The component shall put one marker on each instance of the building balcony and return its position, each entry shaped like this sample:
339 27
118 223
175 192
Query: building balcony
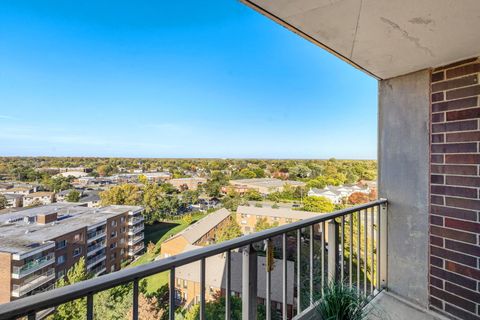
136 249
32 266
95 236
32 283
135 220
95 260
134 240
93 249
136 229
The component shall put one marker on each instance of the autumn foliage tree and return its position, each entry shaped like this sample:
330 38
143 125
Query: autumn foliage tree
358 198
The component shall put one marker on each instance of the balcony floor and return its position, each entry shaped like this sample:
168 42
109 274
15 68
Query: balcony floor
387 306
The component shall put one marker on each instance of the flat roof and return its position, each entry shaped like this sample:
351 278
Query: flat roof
286 213
267 182
19 236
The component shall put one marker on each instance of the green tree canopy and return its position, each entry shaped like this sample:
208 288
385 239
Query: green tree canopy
73 196
318 204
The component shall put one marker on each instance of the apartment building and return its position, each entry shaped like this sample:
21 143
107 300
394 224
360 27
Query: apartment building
17 190
187 183
39 245
263 185
201 233
14 200
187 281
38 198
248 216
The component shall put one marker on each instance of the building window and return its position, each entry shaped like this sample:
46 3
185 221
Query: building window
122 241
61 244
122 219
124 229
185 284
113 245
179 282
114 223
61 259
61 273
113 234
113 256
77 237
77 251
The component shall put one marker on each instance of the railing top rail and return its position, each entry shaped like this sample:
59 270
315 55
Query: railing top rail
58 296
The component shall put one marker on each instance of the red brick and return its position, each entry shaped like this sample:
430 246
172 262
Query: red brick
436 179
453 277
436 158
439 96
460 313
471 113
437 200
463 203
455 83
455 104
472 273
463 70
436 138
437 262
462 292
436 281
438 117
436 241
454 191
463 247
436 302
463 181
454 212
453 234
455 126
438 76
457 301
436 220
454 256
463 158
454 169
463 136
454 148
455 64
462 225
462 92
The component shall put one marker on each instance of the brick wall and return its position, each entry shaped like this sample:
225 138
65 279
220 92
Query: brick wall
454 185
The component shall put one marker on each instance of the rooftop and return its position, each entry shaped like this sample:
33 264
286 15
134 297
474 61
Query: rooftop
280 212
19 236
267 182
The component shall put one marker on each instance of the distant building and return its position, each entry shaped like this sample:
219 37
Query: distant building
187 183
337 194
39 245
74 174
157 176
38 198
5 186
201 233
18 190
14 200
263 185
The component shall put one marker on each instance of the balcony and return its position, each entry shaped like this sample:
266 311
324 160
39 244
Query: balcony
320 248
136 229
95 235
91 250
95 260
32 266
135 240
32 283
136 249
135 220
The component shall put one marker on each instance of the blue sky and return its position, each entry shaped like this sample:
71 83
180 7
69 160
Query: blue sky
174 79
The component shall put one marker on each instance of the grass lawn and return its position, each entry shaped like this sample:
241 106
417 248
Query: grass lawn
158 233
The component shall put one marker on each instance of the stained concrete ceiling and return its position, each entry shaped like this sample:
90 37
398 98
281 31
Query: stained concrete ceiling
385 38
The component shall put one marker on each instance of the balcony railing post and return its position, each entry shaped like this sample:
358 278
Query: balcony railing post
249 283
383 244
332 250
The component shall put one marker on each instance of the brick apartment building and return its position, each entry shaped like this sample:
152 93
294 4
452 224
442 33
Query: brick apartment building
264 186
39 245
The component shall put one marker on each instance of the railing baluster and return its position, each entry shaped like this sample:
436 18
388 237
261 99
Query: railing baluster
135 300
249 283
377 240
202 289
312 237
285 271
350 260
384 241
322 278
268 295
359 217
228 285
90 307
365 240
342 246
299 281
171 298
372 264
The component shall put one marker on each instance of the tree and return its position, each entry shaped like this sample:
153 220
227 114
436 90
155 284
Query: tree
263 224
190 197
35 203
152 202
318 204
253 195
105 170
358 198
3 202
76 309
124 194
142 179
147 308
229 231
73 196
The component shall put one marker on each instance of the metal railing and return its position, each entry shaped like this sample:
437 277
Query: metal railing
354 251
32 266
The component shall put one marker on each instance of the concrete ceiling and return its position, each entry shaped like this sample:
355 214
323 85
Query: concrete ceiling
385 38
